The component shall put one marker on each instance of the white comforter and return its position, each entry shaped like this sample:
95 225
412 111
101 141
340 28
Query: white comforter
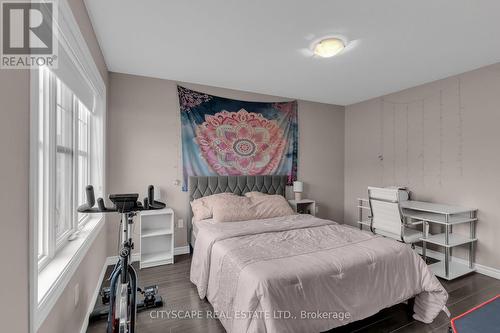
303 274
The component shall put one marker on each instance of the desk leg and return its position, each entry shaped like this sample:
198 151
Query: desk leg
471 246
360 214
424 243
451 232
472 233
447 250
447 262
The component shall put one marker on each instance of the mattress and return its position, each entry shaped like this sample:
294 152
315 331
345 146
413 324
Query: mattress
303 274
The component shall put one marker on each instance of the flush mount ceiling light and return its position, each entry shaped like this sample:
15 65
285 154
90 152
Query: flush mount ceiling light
328 47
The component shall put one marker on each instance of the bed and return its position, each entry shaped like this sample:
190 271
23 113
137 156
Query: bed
208 185
299 273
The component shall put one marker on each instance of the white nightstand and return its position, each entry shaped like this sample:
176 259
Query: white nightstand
156 237
304 206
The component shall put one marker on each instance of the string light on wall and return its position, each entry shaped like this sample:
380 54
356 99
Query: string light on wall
407 146
422 149
441 137
460 129
394 143
444 136
381 154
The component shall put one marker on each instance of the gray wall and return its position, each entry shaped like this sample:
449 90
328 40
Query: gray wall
14 173
441 140
144 145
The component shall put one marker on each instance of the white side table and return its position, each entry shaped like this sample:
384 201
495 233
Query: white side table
157 237
304 206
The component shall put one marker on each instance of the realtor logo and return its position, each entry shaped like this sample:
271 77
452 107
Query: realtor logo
28 38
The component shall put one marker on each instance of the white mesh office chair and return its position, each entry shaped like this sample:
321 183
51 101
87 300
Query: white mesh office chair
387 218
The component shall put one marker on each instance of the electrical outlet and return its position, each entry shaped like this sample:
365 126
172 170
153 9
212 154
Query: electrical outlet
77 294
180 223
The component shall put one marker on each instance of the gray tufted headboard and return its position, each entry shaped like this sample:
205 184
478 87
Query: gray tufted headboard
203 186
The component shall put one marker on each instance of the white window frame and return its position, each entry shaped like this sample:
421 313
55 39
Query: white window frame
84 217
48 90
73 43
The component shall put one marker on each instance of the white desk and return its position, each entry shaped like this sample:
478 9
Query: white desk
447 216
444 215
431 207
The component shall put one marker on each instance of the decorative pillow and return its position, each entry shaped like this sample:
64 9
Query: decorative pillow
237 208
254 194
202 207
268 206
232 209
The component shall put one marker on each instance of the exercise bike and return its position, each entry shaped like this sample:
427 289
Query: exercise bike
122 292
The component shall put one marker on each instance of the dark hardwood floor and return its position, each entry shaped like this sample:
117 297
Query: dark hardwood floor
180 294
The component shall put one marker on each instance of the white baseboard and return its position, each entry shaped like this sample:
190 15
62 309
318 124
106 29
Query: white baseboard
485 270
181 250
94 297
488 271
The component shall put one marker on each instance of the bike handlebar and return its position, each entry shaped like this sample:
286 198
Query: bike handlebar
151 193
123 203
89 191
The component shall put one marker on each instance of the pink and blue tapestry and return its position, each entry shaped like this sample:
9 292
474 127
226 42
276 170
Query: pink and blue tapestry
222 136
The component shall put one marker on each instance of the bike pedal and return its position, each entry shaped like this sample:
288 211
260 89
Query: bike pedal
151 289
105 292
158 301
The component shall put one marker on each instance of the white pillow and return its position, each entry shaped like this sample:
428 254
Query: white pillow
202 207
254 194
233 209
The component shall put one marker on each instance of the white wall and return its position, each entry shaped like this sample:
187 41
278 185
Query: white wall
144 145
441 140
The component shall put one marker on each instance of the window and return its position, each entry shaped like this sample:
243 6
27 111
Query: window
64 164
67 152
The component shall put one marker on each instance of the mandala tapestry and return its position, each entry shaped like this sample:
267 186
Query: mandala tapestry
222 136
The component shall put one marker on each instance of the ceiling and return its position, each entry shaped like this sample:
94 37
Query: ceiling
263 46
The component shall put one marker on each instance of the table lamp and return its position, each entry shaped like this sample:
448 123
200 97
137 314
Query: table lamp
298 188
